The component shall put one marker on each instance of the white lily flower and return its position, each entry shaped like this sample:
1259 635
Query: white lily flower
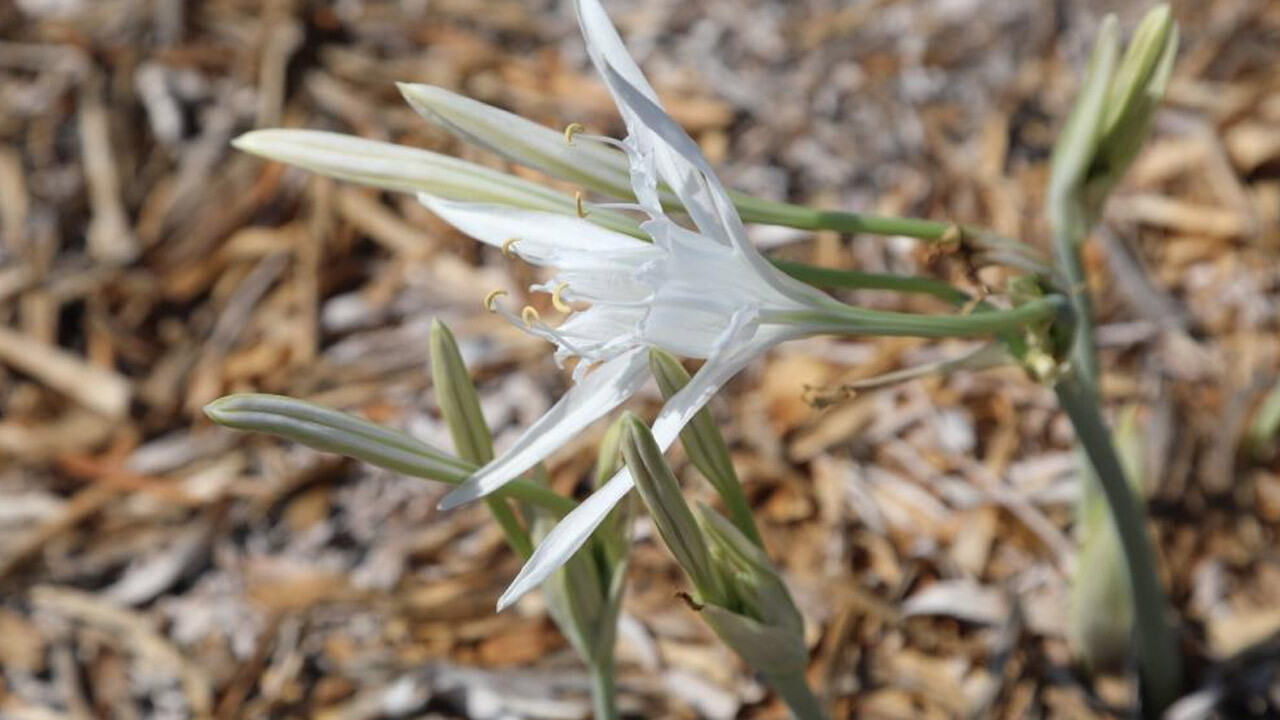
706 294
399 168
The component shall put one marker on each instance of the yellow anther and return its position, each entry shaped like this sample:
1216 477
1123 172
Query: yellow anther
494 295
571 130
577 200
529 315
506 248
557 298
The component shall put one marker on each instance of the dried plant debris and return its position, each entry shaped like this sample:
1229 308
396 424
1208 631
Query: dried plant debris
154 566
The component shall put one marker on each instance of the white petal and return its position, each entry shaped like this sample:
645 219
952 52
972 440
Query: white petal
614 63
542 238
395 167
522 141
598 393
573 530
683 166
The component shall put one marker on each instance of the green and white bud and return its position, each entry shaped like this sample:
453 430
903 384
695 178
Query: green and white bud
460 406
1111 118
330 430
704 444
456 394
591 165
403 169
660 492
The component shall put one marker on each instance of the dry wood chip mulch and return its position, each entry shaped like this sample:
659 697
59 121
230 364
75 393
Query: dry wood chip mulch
153 566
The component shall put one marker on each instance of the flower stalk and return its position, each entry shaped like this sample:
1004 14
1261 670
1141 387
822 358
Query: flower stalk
1107 126
737 590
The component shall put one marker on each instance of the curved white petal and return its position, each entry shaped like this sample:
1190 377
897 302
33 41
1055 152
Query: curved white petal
521 141
669 134
541 237
573 530
395 167
596 394
608 51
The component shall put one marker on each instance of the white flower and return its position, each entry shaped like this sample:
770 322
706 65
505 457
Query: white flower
706 294
702 294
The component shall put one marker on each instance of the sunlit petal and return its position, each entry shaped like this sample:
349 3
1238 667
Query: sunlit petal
595 395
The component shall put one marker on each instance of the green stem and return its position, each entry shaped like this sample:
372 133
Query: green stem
830 278
1067 238
517 536
758 210
843 319
767 212
604 694
1159 658
795 692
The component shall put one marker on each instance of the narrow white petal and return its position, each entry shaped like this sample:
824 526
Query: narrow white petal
543 238
607 52
521 141
566 538
394 167
571 532
598 393
682 165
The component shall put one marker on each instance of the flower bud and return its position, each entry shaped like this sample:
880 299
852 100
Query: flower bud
330 430
1111 118
399 168
704 444
675 522
456 394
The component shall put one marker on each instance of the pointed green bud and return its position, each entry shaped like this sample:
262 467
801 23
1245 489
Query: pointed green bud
589 164
460 406
757 584
333 431
1074 152
330 430
456 394
1111 118
404 169
609 455
614 534
704 444
660 492
1139 86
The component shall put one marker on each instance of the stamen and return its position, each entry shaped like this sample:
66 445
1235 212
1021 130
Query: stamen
530 316
577 201
570 131
506 248
557 298
491 297
602 139
633 207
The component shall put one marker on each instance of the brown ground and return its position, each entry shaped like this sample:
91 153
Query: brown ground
155 566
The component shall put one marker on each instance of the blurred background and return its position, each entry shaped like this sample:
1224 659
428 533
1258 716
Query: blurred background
154 566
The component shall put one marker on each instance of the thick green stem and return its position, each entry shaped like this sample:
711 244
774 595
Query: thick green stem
758 210
1067 239
1158 655
846 320
604 693
831 278
794 691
